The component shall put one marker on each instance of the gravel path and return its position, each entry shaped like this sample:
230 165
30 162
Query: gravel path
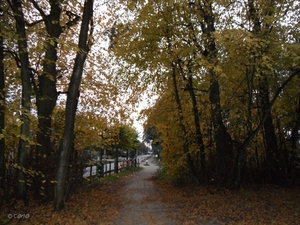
140 198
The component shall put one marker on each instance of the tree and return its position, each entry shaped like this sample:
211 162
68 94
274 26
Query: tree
161 41
172 43
46 92
165 135
143 149
42 49
202 44
261 69
51 46
2 111
152 137
128 139
72 101
26 97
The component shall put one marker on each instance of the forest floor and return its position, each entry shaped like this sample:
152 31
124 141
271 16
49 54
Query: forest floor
141 198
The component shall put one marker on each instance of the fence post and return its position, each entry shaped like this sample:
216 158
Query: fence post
109 168
91 168
100 169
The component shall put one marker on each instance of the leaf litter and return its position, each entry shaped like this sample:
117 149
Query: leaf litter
187 204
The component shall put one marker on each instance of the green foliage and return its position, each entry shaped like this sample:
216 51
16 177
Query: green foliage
128 138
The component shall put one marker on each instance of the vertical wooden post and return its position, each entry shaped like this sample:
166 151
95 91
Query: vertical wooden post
109 168
116 162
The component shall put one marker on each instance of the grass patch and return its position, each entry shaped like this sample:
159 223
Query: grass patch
91 182
115 177
161 173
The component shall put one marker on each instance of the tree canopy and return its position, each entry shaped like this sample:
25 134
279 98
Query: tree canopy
54 64
224 76
221 68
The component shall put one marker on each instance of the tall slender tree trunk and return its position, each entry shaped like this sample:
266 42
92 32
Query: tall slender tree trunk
272 152
2 120
26 98
188 156
261 30
71 105
189 160
46 92
46 97
222 139
295 135
241 150
296 128
199 137
198 133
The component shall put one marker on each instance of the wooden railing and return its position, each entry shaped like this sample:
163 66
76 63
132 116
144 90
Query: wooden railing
106 168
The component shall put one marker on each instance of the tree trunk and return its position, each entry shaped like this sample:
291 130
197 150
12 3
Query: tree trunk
199 138
46 95
241 150
71 105
296 128
252 134
189 160
294 140
26 98
272 152
261 30
2 120
222 139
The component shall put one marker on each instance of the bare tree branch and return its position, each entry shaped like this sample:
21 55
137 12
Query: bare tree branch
71 22
39 9
15 56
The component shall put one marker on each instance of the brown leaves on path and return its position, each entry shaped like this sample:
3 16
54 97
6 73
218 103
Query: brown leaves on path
186 205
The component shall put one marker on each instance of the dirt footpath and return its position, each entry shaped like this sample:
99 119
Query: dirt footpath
140 199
